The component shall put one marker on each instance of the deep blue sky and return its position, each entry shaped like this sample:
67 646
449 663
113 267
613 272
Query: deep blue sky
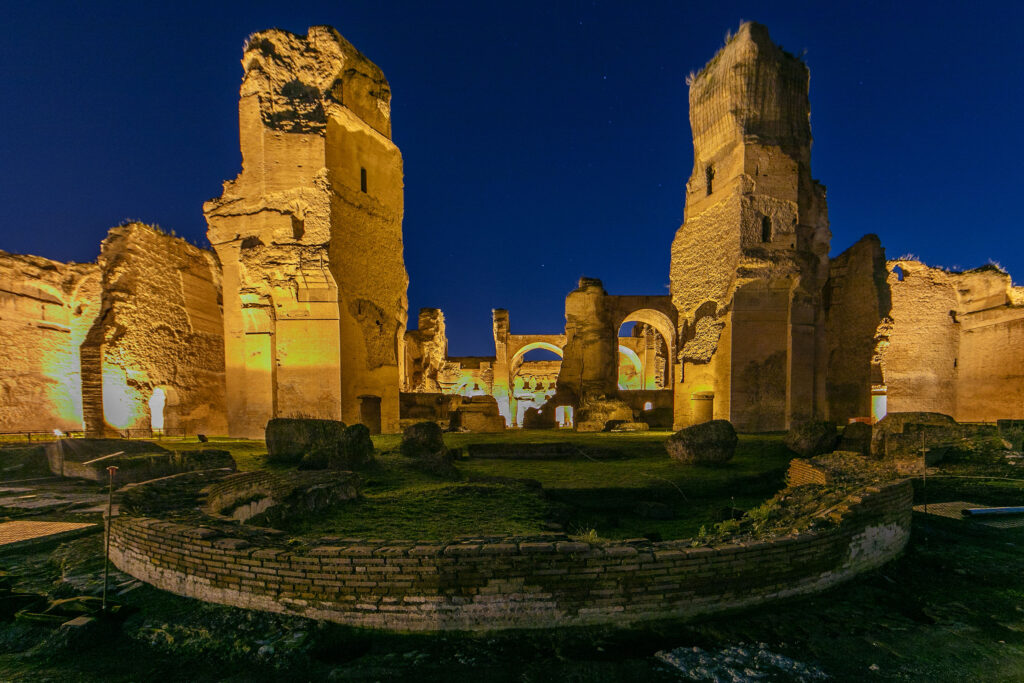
542 140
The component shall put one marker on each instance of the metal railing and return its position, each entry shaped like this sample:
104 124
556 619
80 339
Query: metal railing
148 433
42 435
39 435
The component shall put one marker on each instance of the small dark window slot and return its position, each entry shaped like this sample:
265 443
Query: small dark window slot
766 229
709 177
362 179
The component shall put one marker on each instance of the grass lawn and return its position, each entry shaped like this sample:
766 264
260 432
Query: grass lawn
595 498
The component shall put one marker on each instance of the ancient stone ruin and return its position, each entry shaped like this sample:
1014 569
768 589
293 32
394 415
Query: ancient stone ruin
300 309
310 238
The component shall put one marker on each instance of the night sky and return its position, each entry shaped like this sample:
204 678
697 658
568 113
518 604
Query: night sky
542 140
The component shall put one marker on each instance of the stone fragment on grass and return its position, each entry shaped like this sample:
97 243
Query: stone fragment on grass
424 443
856 438
420 438
708 443
811 438
289 439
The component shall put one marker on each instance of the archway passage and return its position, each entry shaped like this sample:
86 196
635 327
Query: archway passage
157 404
533 376
644 361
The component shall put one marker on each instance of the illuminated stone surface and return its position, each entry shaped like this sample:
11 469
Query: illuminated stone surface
302 311
18 532
857 314
46 308
310 238
955 344
160 328
750 260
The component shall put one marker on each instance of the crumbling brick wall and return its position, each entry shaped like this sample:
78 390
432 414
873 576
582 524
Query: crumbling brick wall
755 220
858 304
160 327
492 583
310 237
46 308
956 343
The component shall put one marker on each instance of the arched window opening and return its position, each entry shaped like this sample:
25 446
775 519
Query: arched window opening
648 405
766 229
157 403
898 272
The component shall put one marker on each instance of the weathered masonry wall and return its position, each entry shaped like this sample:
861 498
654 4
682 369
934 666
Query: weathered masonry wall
494 583
46 308
751 258
310 238
857 308
955 344
160 331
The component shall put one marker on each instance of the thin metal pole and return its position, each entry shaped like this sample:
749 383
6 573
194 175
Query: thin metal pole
924 474
106 549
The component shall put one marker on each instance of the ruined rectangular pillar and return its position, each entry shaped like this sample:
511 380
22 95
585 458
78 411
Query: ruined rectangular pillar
755 222
310 235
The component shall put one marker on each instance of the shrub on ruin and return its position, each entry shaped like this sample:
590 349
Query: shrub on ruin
811 438
319 458
708 443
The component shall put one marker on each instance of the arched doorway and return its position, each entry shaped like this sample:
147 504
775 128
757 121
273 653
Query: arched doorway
164 416
157 403
533 377
644 359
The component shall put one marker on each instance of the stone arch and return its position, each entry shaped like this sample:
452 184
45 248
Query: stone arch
526 348
517 406
656 319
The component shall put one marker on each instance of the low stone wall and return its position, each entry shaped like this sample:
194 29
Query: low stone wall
495 583
802 471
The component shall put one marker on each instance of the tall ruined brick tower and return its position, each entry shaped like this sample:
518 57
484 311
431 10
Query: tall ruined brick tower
751 258
310 238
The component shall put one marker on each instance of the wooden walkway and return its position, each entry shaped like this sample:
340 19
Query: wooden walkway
19 533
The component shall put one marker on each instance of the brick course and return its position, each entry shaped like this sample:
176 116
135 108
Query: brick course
493 583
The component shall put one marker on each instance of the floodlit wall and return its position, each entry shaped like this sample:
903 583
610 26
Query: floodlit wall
46 308
858 305
956 343
160 328
754 217
309 235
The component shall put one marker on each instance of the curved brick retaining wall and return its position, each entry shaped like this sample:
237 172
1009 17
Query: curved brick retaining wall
491 583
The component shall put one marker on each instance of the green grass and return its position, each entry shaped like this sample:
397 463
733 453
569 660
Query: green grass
580 496
436 512
596 498
249 454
